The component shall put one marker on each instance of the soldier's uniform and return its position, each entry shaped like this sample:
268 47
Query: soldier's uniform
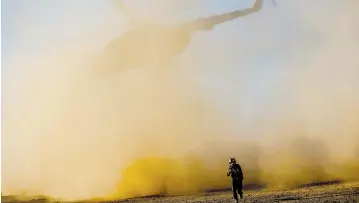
235 171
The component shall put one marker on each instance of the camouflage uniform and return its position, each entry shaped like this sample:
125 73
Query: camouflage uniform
235 171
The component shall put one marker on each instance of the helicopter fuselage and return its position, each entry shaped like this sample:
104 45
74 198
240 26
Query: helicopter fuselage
147 46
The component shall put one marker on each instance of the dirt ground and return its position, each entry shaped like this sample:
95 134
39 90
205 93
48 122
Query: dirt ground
315 193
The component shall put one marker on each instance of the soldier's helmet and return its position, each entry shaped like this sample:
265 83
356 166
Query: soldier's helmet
232 160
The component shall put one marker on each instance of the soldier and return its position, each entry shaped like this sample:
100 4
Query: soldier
235 171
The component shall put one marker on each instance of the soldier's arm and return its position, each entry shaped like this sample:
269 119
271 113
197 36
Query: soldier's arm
229 172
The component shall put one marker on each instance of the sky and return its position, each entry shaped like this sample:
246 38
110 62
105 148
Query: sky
63 21
56 22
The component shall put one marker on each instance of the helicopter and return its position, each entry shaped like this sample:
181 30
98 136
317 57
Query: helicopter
154 45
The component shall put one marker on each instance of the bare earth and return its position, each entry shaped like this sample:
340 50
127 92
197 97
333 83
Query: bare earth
329 192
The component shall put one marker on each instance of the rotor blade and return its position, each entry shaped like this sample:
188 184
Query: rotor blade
274 3
119 4
209 22
121 7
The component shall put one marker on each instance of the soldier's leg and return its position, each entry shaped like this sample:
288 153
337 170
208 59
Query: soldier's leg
240 188
234 189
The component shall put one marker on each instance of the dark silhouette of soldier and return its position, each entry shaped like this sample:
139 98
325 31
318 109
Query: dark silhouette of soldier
235 171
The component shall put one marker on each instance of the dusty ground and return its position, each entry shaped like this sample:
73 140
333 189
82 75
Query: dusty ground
337 192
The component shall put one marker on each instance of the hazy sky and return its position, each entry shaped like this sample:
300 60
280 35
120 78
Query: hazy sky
280 41
61 20
56 21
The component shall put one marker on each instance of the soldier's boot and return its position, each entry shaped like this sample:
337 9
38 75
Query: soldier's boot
235 197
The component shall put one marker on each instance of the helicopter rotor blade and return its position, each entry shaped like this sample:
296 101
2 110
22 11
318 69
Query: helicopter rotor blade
119 4
274 3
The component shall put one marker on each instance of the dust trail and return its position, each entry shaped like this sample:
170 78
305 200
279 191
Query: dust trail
71 136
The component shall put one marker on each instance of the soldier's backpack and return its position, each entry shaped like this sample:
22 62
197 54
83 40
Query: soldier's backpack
236 172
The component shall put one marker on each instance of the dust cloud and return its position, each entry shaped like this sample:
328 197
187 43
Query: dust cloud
70 135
